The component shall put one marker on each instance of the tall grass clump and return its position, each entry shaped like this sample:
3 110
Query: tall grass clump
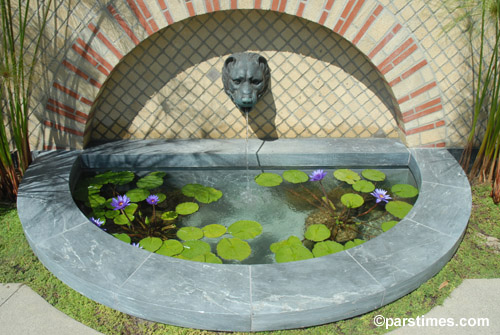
486 165
17 63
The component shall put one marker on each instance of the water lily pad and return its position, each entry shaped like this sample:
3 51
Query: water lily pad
295 176
161 197
123 220
208 195
317 232
214 230
116 178
99 214
346 175
268 179
189 233
291 253
212 258
195 248
111 214
150 181
170 248
353 243
289 241
373 175
130 209
190 190
170 215
233 249
352 200
363 186
388 225
96 201
160 174
404 190
203 194
207 258
123 237
398 208
137 194
151 243
84 188
326 247
245 229
187 208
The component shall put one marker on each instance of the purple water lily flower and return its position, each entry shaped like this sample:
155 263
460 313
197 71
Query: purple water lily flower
152 199
381 195
317 175
120 202
136 245
98 222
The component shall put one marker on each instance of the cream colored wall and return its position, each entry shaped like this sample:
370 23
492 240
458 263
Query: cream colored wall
170 85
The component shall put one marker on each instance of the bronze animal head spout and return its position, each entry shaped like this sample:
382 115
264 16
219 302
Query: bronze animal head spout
246 79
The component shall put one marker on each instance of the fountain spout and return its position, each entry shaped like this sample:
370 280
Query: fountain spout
246 79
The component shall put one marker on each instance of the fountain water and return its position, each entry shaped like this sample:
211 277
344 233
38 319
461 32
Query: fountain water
246 79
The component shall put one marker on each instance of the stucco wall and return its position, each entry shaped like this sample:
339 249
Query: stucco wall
340 68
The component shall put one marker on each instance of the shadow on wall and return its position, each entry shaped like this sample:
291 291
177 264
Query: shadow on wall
170 85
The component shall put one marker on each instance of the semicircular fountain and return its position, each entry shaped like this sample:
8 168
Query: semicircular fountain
245 297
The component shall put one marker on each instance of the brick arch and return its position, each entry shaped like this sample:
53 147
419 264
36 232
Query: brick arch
370 27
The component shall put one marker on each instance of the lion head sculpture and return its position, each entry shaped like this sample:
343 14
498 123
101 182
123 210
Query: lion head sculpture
246 79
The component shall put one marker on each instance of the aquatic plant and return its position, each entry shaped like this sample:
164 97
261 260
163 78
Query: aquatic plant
381 195
136 211
335 224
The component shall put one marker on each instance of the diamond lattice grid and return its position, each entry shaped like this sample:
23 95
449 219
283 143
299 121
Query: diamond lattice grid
170 85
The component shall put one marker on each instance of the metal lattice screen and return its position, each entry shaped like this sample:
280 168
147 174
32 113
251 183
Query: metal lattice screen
170 86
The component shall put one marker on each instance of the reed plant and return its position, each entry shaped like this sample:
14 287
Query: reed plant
19 53
486 165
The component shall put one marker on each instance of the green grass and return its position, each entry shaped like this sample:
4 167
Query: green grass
474 259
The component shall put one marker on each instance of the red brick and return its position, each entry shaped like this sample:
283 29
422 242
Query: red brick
367 24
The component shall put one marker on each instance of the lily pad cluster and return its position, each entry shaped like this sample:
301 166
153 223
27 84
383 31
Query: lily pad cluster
293 249
142 212
192 243
341 212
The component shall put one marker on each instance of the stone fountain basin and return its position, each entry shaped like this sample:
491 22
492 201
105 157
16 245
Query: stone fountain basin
245 297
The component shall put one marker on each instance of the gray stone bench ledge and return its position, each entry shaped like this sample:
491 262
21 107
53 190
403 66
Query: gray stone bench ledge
245 297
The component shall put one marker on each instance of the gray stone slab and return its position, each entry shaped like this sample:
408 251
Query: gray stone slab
334 152
400 258
49 209
231 153
175 293
305 293
439 166
172 154
443 215
91 260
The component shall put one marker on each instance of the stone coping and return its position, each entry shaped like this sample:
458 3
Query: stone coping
245 297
